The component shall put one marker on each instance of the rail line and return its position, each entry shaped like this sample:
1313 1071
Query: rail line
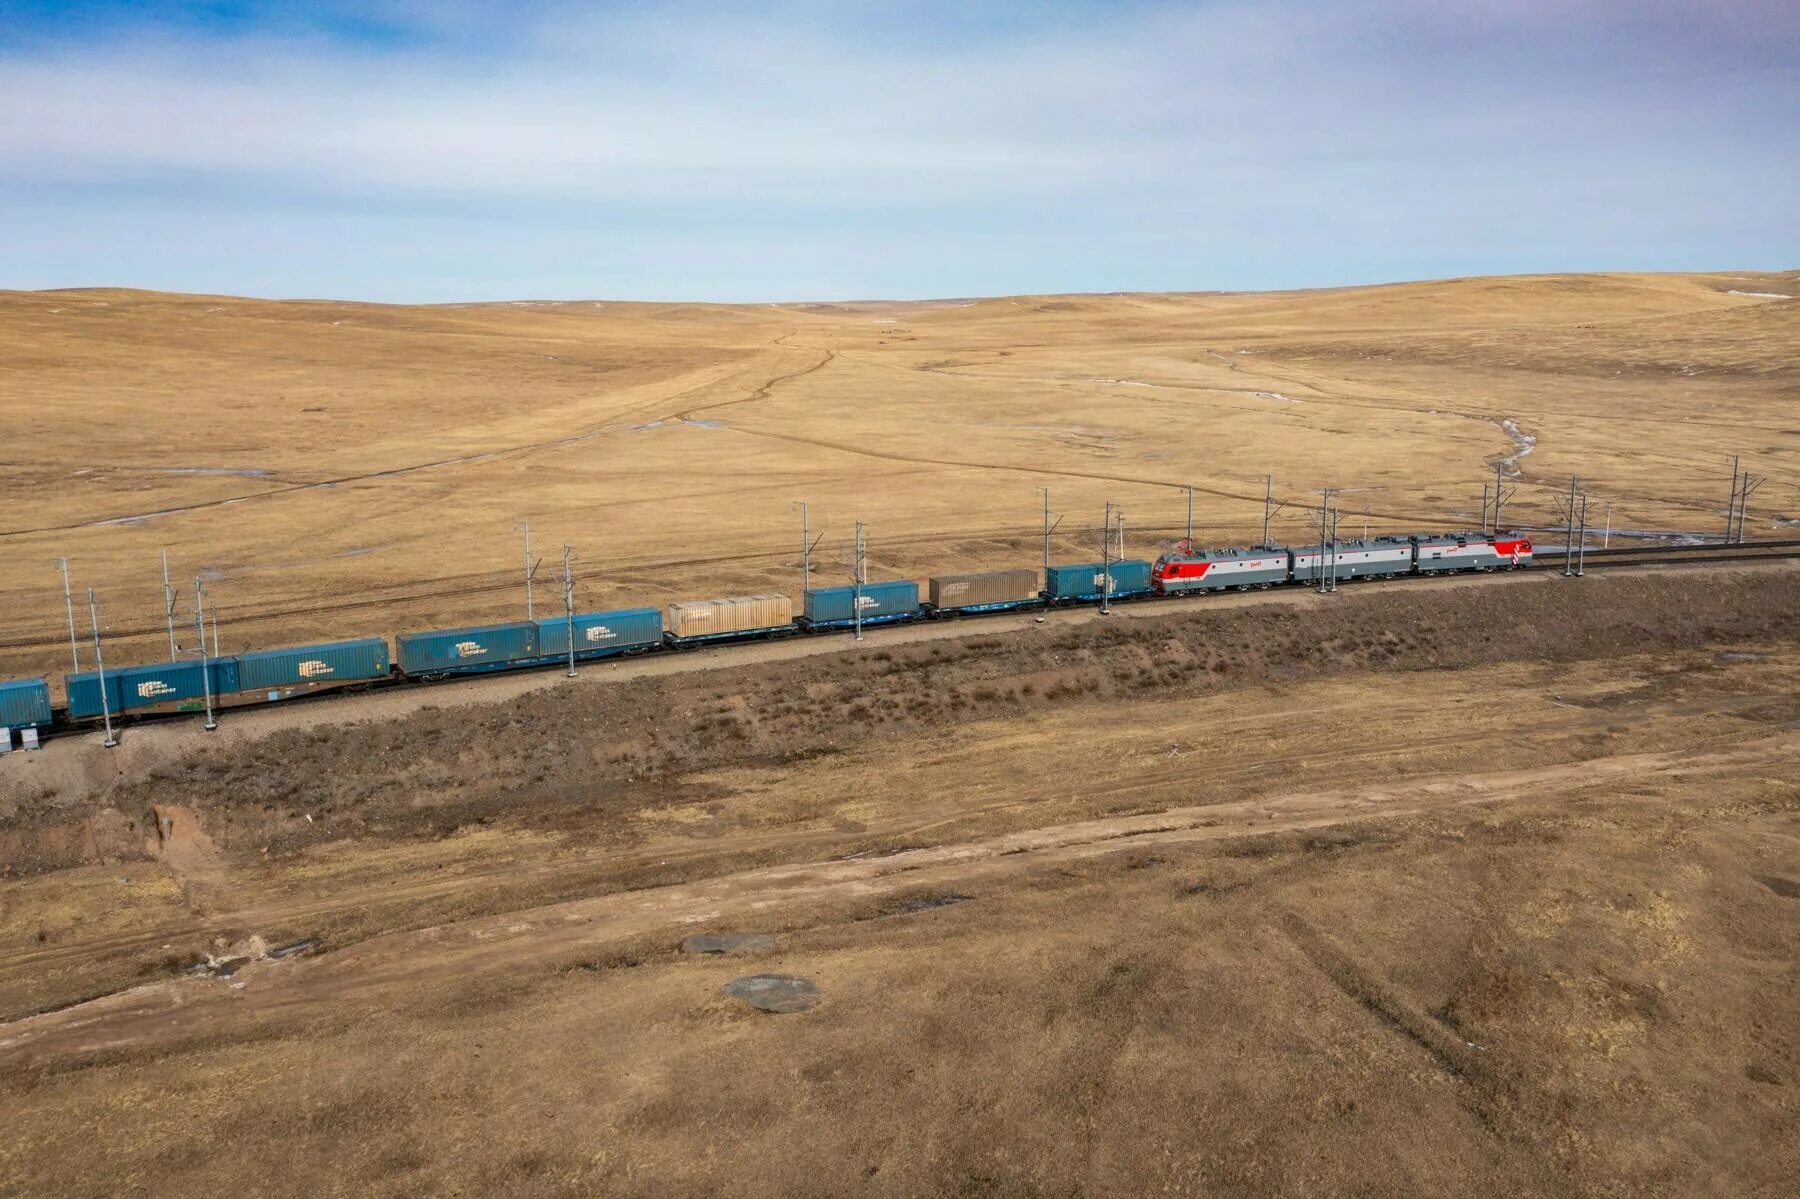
1601 559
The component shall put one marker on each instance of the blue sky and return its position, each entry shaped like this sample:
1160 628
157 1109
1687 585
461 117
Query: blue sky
411 150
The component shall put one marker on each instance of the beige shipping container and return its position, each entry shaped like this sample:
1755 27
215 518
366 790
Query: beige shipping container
992 587
734 614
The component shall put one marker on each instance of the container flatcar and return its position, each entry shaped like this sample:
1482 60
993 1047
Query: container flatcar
989 591
601 634
24 704
739 616
160 687
1221 570
1085 581
268 676
881 603
467 651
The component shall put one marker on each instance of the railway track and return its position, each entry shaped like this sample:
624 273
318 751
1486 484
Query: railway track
1661 555
1595 559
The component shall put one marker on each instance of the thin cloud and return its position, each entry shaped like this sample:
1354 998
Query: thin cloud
1234 133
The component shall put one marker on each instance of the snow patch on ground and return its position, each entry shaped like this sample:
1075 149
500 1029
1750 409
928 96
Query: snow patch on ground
1123 382
1523 444
1760 295
1276 395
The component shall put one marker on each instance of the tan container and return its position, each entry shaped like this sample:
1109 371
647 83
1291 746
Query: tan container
734 614
992 587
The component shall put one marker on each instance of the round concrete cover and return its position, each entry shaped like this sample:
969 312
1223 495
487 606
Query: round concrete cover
780 993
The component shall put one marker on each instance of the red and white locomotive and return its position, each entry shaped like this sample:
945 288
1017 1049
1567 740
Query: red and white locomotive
1364 558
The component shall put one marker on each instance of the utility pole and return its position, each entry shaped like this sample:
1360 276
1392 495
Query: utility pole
1046 492
100 670
1569 534
1190 520
213 616
1106 563
1268 504
569 606
1484 508
858 569
205 662
1119 548
69 603
529 569
1606 541
169 606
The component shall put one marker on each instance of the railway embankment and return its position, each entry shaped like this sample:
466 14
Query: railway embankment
543 757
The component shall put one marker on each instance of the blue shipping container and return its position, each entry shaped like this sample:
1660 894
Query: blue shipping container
281 672
1083 581
169 686
880 602
598 634
489 647
24 704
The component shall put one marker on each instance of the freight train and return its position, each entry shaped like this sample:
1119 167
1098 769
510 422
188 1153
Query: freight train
271 676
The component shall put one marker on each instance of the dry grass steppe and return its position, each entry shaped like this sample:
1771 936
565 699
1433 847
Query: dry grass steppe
351 469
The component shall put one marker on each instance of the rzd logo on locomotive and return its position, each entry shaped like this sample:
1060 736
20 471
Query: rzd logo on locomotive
312 668
154 688
470 649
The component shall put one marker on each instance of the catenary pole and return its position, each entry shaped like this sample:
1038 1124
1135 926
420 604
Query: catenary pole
1569 534
1606 541
1581 543
1335 516
1106 563
1046 492
1750 485
1731 504
169 606
526 526
569 607
805 550
1268 503
62 564
100 669
857 580
1190 518
205 662
1324 536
